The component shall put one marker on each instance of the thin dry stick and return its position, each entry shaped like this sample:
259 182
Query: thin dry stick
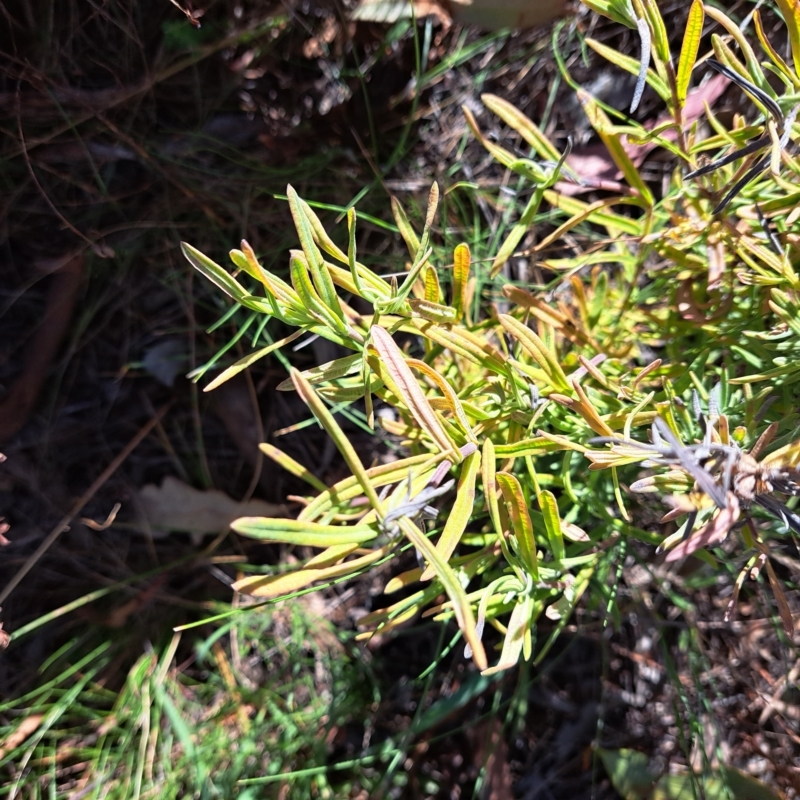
260 433
81 502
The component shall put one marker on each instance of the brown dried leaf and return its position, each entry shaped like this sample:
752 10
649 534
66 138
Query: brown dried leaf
174 506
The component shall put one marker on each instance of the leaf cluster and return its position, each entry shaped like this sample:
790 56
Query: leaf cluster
503 387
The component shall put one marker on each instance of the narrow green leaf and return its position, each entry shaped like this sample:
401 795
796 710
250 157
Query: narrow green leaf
520 228
435 312
488 478
520 521
527 447
552 523
342 492
538 350
214 272
621 11
614 223
315 262
250 359
602 124
468 345
330 371
292 466
410 392
321 412
500 154
630 65
406 231
754 72
307 293
373 285
659 34
777 59
351 251
276 288
302 532
689 48
321 235
517 121
290 582
461 512
451 399
423 251
790 9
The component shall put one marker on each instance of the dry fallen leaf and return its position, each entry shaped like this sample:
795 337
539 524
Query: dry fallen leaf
175 506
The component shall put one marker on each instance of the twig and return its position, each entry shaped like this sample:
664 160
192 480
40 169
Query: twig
63 524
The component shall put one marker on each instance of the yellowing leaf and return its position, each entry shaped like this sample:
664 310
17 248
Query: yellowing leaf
517 121
518 633
461 259
290 582
292 466
320 410
461 513
520 521
302 532
433 293
410 392
449 579
689 48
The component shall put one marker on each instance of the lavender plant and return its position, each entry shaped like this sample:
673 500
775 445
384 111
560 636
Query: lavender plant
691 289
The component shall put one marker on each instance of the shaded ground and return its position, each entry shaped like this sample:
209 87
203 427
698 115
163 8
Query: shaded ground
128 130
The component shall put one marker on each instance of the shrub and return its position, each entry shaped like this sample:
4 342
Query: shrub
536 401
